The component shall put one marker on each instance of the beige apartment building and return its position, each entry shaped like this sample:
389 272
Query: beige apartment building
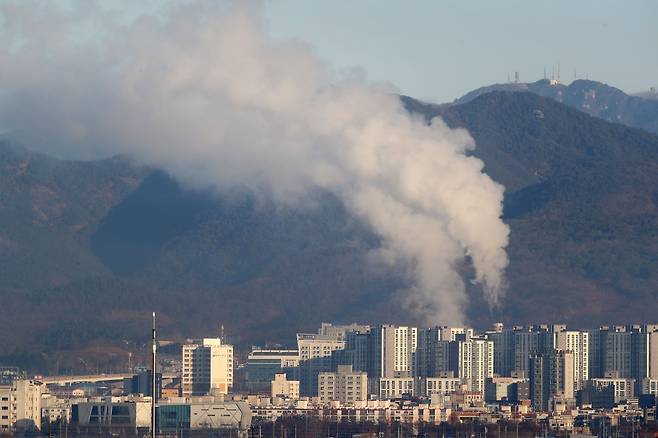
20 406
345 385
207 368
282 387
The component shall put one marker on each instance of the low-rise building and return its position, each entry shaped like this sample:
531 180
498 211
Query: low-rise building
203 413
601 397
54 409
372 411
263 365
225 415
345 385
439 385
6 418
113 413
282 387
504 389
396 387
20 405
172 390
624 388
142 383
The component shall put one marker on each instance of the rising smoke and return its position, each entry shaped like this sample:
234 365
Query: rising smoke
204 93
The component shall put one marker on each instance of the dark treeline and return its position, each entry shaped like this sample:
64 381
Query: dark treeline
312 427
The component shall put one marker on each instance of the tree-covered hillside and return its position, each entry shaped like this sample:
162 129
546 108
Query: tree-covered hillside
88 249
592 97
582 203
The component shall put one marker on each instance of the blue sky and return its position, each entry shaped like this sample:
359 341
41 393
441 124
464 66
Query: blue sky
439 50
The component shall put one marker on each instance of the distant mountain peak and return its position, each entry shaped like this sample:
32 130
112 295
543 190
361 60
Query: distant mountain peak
595 98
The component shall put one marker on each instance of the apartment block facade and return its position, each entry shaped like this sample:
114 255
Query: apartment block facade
207 368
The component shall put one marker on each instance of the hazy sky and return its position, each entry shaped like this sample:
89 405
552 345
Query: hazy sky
438 50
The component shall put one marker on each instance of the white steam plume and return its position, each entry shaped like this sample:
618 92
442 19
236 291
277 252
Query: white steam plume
207 95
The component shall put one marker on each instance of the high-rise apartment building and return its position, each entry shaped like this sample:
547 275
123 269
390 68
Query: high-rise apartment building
440 359
432 357
640 355
530 341
503 339
616 352
393 351
427 339
628 352
514 347
539 372
578 343
652 333
551 376
314 346
455 333
207 367
563 382
473 361
595 353
649 386
357 351
341 331
315 356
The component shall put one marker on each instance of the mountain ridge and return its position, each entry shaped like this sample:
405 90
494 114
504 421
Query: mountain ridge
592 97
581 201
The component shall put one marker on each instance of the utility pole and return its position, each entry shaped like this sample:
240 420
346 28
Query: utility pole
154 392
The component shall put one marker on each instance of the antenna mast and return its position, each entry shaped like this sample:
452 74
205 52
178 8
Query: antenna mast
154 392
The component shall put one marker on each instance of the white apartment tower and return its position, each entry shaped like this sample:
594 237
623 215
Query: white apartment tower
578 343
395 351
652 331
475 361
207 368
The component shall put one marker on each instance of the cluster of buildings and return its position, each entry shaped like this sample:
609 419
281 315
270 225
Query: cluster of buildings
538 363
547 369
384 373
118 404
